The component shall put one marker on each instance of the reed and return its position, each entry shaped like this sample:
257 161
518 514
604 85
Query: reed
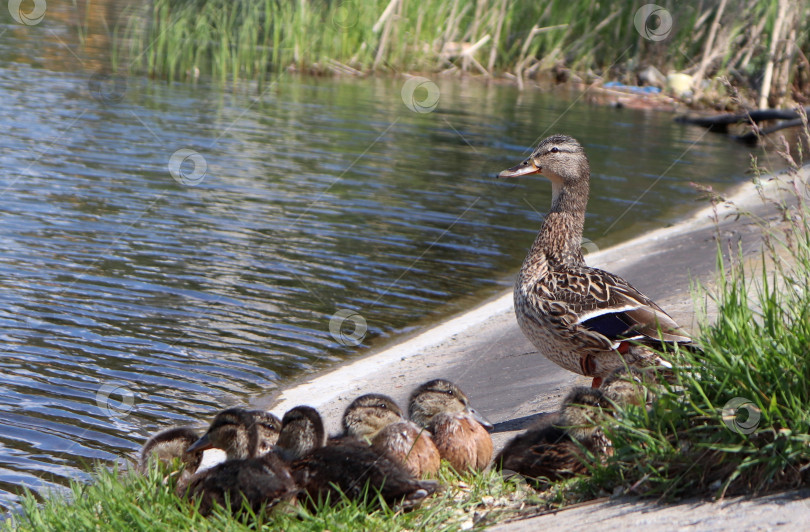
248 39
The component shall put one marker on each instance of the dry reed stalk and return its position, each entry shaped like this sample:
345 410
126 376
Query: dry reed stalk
708 51
767 79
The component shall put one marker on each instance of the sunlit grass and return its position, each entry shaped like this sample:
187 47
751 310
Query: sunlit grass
114 501
249 39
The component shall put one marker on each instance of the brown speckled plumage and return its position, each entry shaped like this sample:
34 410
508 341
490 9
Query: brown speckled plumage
241 433
457 429
560 449
586 320
409 445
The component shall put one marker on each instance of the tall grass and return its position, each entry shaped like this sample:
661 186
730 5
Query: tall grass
247 39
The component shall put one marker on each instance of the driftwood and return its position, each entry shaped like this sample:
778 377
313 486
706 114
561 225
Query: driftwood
721 123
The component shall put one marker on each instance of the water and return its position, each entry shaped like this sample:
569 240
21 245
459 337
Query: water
131 301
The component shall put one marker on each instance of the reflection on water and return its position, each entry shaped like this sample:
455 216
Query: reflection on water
139 291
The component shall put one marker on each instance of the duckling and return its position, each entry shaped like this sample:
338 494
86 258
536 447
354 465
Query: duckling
301 432
369 414
252 475
168 445
410 446
625 386
241 433
459 432
355 470
559 450
255 482
378 420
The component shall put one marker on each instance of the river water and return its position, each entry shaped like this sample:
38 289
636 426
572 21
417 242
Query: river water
167 250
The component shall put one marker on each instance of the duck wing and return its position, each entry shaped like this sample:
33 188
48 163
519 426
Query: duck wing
604 303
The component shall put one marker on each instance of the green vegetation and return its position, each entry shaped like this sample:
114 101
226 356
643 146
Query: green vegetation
248 39
133 502
735 420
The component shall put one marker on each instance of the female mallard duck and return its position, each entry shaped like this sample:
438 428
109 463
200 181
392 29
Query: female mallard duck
348 466
252 475
459 432
377 419
559 450
586 320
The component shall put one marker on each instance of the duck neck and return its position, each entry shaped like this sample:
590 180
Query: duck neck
559 241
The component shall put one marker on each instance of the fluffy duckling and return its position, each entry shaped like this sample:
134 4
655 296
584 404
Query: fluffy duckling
252 475
355 471
255 482
625 386
369 414
378 420
557 451
410 446
345 466
241 433
168 445
302 431
459 432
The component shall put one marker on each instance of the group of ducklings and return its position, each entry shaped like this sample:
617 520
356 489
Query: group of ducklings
270 460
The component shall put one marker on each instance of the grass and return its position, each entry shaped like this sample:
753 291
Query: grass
128 501
735 419
250 39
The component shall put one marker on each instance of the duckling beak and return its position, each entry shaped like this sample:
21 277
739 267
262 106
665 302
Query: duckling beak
200 445
527 167
481 419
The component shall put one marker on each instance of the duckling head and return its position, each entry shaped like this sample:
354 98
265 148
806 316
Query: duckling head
625 386
369 414
441 396
240 433
581 413
301 432
562 160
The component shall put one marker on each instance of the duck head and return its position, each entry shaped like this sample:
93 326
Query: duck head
301 432
441 396
562 160
369 414
241 433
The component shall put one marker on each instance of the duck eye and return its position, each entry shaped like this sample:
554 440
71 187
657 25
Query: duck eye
555 149
449 392
382 405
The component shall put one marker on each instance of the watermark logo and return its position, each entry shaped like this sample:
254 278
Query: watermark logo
187 167
107 88
420 95
345 16
741 415
348 327
653 22
587 245
31 18
115 400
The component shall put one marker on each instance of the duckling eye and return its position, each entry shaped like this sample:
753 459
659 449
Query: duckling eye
449 392
555 149
382 405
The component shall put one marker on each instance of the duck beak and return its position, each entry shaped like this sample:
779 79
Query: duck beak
527 167
200 445
481 419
